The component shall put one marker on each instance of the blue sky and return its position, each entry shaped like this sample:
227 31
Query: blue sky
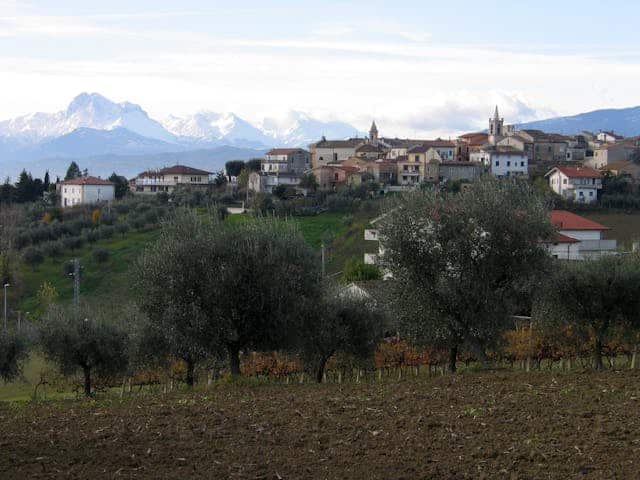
417 67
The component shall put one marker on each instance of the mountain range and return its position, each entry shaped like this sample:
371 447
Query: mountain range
96 132
104 136
623 121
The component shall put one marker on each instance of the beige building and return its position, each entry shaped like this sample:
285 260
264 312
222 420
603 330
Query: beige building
610 153
168 178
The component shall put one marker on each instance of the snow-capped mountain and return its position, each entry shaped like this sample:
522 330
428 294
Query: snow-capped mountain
98 130
219 128
299 129
87 110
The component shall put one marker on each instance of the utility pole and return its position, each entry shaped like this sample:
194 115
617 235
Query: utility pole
5 306
323 255
76 282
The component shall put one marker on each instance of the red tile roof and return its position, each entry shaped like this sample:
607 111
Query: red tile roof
175 170
564 220
87 181
560 238
578 172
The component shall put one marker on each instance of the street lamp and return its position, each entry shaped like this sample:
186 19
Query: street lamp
5 305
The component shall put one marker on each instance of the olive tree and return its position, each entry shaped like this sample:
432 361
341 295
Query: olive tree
262 281
340 323
460 261
596 296
13 350
169 280
208 286
84 339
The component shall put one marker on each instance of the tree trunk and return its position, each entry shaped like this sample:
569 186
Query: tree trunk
453 357
191 377
87 380
321 367
234 359
597 353
634 356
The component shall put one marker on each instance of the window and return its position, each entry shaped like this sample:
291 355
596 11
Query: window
591 194
593 181
581 193
175 179
508 163
416 158
497 163
321 159
564 181
522 164
335 157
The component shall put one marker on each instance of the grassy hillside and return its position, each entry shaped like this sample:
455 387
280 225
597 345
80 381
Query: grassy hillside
342 234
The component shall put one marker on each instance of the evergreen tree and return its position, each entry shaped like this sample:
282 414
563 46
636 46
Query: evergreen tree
25 188
47 182
122 186
7 192
73 171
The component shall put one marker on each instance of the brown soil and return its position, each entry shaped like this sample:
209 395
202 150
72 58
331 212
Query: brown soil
483 425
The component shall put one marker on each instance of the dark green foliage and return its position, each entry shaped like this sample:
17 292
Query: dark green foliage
121 185
212 287
234 167
84 340
595 296
13 350
462 263
309 181
122 228
32 256
357 271
73 171
342 322
253 165
100 254
220 180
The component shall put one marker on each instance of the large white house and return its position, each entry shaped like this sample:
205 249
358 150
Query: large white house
86 190
580 184
578 237
286 160
502 161
168 178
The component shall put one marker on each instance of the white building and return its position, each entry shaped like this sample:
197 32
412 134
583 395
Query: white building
168 178
609 137
286 160
578 237
502 161
580 184
86 190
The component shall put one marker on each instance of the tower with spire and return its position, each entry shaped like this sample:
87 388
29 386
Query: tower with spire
496 128
373 134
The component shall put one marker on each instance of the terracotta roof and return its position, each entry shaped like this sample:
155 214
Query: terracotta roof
570 221
618 165
284 151
560 238
577 172
367 147
175 170
424 147
87 181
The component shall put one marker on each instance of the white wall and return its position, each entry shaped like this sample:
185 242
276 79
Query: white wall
503 165
85 194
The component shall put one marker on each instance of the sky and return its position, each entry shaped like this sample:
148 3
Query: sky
417 67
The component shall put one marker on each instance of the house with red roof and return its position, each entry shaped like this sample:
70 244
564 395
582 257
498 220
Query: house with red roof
580 184
578 237
168 178
85 190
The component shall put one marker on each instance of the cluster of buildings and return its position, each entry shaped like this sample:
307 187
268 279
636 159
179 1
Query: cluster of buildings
573 165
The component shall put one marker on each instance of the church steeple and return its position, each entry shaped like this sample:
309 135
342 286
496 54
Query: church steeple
496 128
373 133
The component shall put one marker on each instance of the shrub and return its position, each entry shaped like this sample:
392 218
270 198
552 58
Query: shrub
91 235
100 254
73 243
108 218
106 231
32 256
13 350
357 271
122 228
121 207
52 249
